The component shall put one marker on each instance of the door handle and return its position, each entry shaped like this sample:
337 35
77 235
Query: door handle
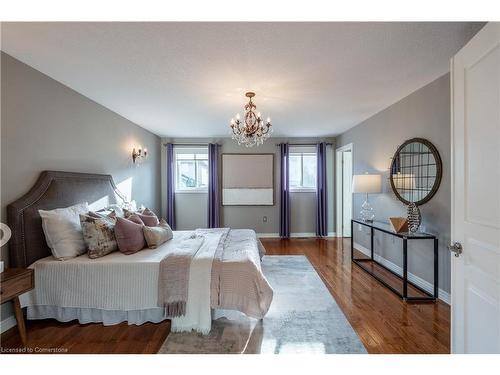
456 248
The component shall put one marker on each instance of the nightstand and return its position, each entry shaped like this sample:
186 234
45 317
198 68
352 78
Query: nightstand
14 282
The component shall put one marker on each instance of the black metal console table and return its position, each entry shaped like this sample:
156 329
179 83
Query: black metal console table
386 228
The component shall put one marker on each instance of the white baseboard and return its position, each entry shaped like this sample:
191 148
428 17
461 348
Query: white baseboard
303 235
7 323
425 285
294 235
268 235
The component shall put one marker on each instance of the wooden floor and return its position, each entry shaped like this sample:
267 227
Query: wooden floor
384 323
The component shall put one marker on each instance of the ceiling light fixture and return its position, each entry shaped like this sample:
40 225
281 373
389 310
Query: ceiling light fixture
252 131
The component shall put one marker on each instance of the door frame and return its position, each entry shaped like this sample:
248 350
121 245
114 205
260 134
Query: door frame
339 169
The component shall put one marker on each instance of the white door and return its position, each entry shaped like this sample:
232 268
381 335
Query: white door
347 192
475 310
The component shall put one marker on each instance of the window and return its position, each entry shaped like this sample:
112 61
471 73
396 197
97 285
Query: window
191 169
302 169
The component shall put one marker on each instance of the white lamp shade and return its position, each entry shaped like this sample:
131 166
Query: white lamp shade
367 183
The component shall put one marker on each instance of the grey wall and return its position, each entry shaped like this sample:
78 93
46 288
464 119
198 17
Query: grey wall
426 114
46 125
191 208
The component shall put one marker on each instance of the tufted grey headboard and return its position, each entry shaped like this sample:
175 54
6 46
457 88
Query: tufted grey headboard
52 190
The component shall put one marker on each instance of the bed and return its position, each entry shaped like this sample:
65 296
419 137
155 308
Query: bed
125 288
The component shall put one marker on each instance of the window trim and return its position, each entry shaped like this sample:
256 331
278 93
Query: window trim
194 190
303 189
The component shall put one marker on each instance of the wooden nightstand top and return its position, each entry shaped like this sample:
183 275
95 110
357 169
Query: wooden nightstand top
11 273
15 281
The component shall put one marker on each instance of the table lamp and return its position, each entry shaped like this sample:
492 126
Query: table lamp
5 234
367 184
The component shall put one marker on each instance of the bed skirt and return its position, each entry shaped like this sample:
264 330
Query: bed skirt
89 315
112 317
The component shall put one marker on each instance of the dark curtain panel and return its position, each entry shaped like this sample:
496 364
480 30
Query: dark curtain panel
213 186
170 185
284 191
321 193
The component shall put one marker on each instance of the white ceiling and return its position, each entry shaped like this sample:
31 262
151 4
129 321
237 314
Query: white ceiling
189 79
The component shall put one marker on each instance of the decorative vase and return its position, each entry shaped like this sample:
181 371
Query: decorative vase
414 217
399 224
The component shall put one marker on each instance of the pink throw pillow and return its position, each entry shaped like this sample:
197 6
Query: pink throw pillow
135 218
149 218
129 236
148 212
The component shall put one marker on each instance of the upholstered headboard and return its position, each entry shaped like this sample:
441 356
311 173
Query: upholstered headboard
52 190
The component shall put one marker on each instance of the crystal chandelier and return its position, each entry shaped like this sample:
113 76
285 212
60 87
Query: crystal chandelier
252 131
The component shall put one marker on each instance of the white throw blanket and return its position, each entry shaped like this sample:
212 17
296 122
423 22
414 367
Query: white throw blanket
198 315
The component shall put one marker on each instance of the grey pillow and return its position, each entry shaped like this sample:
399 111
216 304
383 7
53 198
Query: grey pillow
98 234
155 236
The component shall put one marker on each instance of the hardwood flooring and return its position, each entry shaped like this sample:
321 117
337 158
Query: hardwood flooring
384 323
50 335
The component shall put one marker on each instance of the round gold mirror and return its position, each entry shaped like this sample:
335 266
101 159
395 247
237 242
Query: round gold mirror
416 171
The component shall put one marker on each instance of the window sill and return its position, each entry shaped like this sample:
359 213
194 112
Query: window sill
191 191
302 190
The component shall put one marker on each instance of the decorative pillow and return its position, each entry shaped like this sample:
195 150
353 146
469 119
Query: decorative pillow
98 234
102 212
127 212
147 216
163 223
148 212
129 236
155 236
63 231
99 214
117 209
149 220
136 219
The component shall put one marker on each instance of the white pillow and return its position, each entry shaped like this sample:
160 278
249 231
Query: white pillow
63 231
118 210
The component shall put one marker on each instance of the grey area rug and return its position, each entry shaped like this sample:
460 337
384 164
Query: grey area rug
303 318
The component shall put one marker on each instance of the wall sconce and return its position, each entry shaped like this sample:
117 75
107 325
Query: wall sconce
139 154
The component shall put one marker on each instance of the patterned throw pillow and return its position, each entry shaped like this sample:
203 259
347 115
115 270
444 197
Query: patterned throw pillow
155 236
98 234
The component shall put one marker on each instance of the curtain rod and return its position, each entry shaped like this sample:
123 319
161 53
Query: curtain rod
190 144
277 144
303 144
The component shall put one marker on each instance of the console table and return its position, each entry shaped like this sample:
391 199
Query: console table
406 236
